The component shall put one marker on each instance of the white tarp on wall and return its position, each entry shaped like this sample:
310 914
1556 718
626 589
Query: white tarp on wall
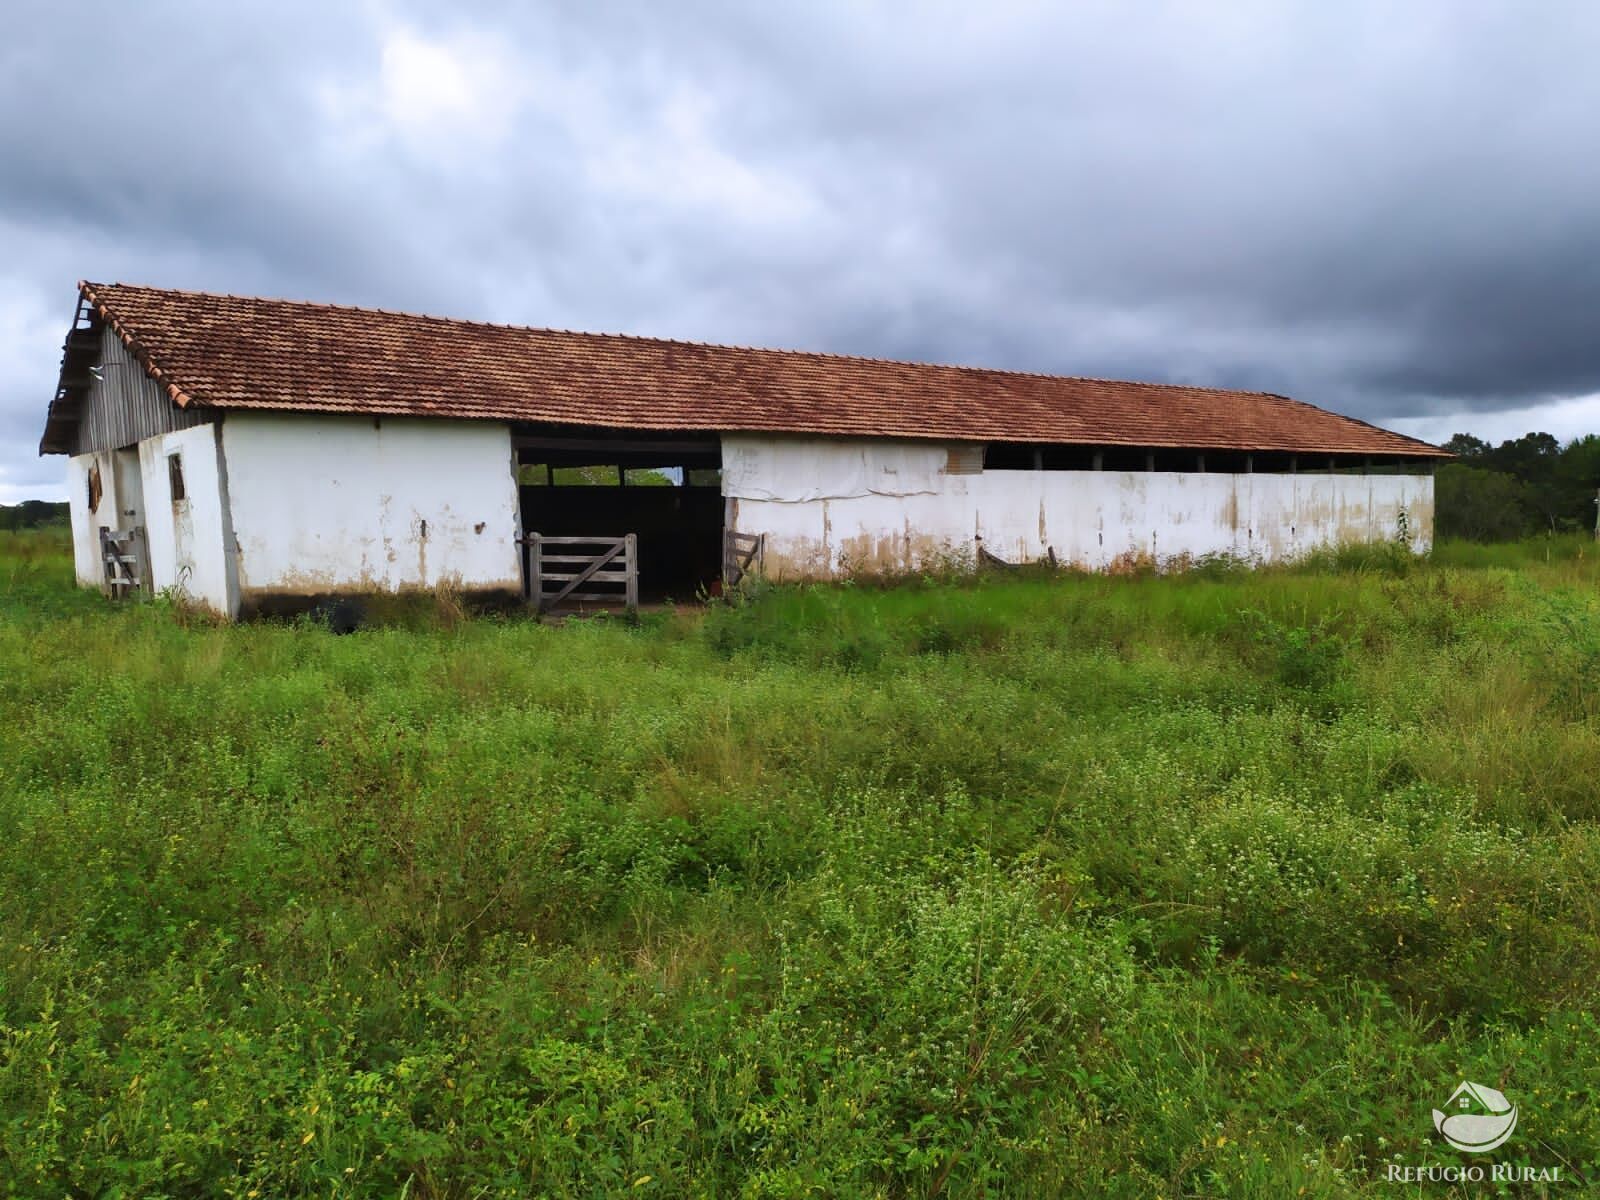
826 510
800 470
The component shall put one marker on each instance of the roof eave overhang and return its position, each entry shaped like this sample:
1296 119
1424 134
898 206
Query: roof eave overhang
152 368
80 352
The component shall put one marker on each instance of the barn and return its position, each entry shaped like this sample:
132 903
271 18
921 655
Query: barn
256 455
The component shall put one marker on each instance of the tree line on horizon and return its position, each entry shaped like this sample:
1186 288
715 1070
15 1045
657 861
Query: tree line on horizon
1527 485
30 514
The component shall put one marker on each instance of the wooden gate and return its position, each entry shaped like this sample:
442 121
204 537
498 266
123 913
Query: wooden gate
743 555
121 554
580 568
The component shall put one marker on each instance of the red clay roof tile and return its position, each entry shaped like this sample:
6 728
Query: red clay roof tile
240 352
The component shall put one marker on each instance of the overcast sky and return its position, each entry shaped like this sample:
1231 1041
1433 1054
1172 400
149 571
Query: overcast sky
1386 209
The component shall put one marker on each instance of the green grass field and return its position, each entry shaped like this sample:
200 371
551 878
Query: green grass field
1211 885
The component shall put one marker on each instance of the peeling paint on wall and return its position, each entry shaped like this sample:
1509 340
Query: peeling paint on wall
1098 520
187 537
183 541
328 505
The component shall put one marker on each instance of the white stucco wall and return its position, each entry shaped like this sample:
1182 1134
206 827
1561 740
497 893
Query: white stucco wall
187 539
85 521
326 504
183 542
831 507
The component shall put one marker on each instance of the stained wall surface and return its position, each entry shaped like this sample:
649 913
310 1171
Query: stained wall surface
187 536
86 520
185 541
833 507
324 504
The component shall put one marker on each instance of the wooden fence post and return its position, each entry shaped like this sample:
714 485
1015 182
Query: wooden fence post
535 573
141 553
631 565
107 573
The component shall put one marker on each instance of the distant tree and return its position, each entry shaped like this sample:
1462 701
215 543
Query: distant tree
1535 459
1467 447
1578 479
1480 504
1554 486
648 477
1529 457
595 476
31 514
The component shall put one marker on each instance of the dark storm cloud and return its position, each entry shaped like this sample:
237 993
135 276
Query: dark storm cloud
1386 209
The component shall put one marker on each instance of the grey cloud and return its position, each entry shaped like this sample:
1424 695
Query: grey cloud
1386 209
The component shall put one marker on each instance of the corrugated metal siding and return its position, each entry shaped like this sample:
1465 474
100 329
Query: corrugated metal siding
124 405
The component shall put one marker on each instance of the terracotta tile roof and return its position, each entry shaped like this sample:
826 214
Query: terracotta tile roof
236 352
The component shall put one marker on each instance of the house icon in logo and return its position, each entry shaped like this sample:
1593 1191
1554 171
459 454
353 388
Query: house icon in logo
1476 1118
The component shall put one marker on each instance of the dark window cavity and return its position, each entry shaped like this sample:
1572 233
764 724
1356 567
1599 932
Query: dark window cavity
1030 456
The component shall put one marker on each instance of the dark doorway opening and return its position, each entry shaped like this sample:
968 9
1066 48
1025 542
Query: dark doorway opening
664 488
